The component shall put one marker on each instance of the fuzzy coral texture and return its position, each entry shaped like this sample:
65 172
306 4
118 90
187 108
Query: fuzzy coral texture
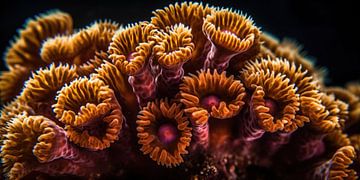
196 92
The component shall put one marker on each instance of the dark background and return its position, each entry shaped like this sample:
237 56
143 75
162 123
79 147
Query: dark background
326 29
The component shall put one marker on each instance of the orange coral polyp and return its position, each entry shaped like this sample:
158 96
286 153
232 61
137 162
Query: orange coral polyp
9 88
188 13
81 47
175 47
30 139
25 50
351 99
333 115
85 102
268 85
305 86
11 110
164 132
338 166
131 42
44 84
117 81
195 88
23 55
231 30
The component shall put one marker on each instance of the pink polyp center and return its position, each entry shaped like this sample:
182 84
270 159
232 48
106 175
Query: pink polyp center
130 57
167 133
209 101
272 105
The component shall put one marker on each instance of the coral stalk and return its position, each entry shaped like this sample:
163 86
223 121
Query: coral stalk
130 51
143 84
249 129
172 50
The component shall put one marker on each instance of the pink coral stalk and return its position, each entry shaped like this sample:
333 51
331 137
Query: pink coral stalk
218 58
249 130
144 86
201 136
168 80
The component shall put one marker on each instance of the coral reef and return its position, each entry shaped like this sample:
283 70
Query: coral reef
196 92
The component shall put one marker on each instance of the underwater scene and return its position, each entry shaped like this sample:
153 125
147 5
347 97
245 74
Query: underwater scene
195 91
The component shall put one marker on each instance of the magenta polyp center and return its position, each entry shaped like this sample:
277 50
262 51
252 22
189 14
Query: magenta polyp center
167 133
130 57
209 101
272 105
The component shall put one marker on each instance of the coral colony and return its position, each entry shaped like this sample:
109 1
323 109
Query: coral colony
196 92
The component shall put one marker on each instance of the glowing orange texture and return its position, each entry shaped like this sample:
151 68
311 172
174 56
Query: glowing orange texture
195 92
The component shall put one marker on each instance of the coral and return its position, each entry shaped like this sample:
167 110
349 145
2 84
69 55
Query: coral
163 132
9 89
353 102
220 95
10 111
300 85
40 90
172 51
230 33
25 51
338 166
195 92
84 49
130 51
191 15
33 140
23 55
90 112
274 101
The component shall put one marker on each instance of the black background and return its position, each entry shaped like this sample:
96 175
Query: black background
326 29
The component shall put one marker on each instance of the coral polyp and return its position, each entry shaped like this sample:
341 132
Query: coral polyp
195 92
164 132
